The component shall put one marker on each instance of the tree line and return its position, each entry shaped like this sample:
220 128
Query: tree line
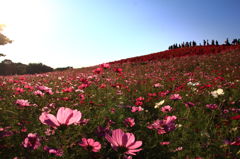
205 43
7 67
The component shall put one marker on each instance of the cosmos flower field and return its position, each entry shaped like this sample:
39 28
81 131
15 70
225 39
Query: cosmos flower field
185 106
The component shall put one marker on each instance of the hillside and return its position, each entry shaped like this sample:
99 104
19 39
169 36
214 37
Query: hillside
176 104
187 51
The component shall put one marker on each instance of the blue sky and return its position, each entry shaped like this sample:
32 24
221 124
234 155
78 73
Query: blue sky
81 33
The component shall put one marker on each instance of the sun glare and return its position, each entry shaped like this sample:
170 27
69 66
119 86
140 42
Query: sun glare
26 23
23 17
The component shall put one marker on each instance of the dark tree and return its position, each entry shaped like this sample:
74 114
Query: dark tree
34 68
3 39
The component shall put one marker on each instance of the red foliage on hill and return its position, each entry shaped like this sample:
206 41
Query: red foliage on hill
187 51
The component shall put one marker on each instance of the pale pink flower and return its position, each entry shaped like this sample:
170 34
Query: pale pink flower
124 142
175 97
65 116
129 122
90 144
22 103
166 109
32 141
157 85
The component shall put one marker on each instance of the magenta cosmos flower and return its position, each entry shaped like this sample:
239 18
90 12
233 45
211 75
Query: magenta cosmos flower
124 142
90 144
65 116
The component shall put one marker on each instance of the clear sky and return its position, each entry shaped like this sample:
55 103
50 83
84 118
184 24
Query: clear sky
79 33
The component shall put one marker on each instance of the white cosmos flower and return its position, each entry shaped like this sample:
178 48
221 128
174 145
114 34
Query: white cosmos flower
217 93
157 105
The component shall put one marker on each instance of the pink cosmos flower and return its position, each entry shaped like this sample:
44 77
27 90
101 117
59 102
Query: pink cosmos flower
212 106
136 109
129 122
5 132
38 92
138 103
140 99
175 97
165 125
22 103
56 152
118 70
45 89
166 109
19 90
98 70
105 65
157 85
90 144
31 141
65 116
124 142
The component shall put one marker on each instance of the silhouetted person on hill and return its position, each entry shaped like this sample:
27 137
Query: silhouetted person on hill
217 43
213 42
204 42
194 43
207 43
227 42
234 42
